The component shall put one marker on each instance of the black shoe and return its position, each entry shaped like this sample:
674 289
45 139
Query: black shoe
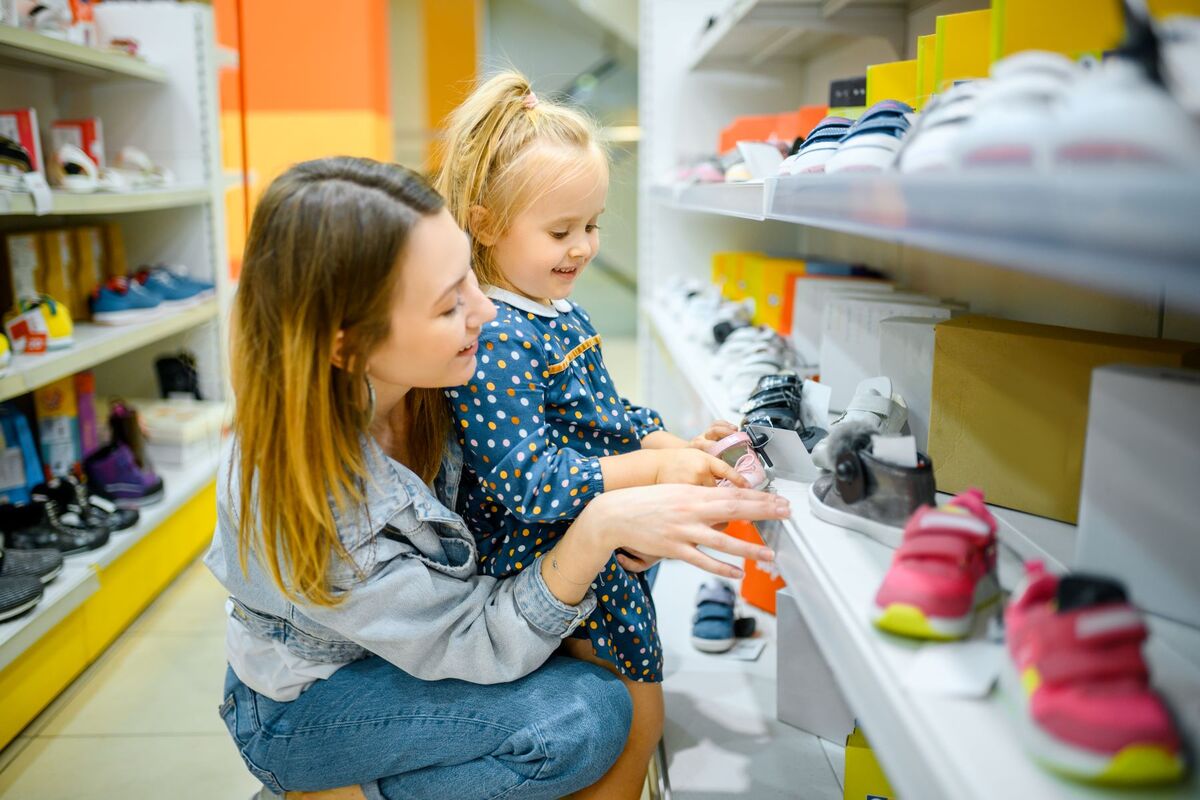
18 596
177 375
41 564
43 525
96 511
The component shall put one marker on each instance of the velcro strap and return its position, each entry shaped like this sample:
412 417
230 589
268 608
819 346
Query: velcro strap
715 593
1064 665
1102 642
713 611
874 403
937 545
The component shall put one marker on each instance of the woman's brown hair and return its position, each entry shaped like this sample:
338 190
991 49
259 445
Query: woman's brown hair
321 258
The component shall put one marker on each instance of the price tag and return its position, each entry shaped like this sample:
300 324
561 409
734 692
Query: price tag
43 201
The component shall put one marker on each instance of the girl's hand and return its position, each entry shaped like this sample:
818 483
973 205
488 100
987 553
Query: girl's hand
635 562
693 467
675 521
717 431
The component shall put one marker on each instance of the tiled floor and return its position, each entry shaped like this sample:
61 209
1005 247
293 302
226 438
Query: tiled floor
142 722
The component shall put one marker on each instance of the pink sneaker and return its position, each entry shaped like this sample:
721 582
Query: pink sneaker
943 572
1077 670
737 450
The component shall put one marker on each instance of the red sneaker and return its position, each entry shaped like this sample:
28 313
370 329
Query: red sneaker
943 572
1089 711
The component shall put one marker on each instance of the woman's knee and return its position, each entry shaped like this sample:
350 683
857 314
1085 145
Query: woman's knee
590 724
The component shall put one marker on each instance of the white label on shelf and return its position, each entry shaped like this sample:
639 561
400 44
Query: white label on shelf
43 201
965 669
898 450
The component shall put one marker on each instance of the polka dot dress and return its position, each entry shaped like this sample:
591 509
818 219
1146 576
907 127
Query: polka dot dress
533 424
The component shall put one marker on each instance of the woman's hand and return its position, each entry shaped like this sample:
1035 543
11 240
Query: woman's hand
633 561
717 431
694 467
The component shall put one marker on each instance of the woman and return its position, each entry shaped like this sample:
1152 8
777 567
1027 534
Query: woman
365 652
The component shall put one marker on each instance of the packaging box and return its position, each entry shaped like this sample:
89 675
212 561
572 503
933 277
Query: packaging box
1071 27
808 696
809 297
21 125
896 80
56 271
115 261
23 257
1010 406
85 399
86 134
906 356
962 49
91 268
926 62
58 426
726 271
865 779
1139 511
766 283
20 465
850 343
180 431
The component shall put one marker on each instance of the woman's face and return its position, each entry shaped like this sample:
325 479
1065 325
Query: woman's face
437 311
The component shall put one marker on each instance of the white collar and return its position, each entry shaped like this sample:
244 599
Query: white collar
525 304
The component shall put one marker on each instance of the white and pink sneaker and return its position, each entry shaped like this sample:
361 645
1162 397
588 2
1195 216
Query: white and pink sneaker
943 572
1089 711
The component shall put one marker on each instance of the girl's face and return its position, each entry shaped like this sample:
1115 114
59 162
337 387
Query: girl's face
548 244
437 311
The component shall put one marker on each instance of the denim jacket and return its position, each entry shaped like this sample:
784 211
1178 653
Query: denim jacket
412 595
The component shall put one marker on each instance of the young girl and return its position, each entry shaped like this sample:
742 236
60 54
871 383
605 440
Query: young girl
543 427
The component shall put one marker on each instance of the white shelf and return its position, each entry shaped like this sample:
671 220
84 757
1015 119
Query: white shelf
28 49
931 747
95 344
21 204
744 200
80 576
1136 236
753 32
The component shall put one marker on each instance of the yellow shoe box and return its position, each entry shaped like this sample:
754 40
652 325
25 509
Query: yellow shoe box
864 777
961 50
896 80
726 272
1071 27
767 283
57 270
90 268
926 61
1010 406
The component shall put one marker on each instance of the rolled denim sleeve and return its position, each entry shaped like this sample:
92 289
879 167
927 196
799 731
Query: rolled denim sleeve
645 420
477 629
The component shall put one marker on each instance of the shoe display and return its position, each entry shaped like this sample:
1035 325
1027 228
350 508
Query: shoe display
1087 708
872 142
177 376
114 472
39 324
15 163
18 596
45 565
777 402
175 289
929 147
74 171
120 301
868 494
875 404
715 626
742 451
43 525
96 512
818 148
943 573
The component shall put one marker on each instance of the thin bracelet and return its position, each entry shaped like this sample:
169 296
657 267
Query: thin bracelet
554 566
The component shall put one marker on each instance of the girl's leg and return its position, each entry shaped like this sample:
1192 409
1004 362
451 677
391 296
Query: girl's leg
628 774
542 736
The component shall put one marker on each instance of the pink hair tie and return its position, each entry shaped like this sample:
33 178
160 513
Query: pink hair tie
530 101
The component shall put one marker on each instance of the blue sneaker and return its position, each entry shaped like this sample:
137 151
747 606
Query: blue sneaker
120 301
176 288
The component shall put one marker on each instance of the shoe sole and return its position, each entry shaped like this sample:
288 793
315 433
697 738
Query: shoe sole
884 534
13 613
51 575
126 317
712 645
134 503
1133 765
905 619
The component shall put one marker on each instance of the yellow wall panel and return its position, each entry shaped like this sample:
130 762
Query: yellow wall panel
31 682
1071 27
962 48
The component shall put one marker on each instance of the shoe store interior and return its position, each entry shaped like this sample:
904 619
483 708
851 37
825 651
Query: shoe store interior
897 496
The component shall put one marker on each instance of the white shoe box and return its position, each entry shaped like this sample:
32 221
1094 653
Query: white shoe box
807 695
809 297
1139 508
906 356
850 340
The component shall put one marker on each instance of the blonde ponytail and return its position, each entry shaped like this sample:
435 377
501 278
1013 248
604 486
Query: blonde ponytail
486 157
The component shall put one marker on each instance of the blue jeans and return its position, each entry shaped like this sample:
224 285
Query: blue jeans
550 733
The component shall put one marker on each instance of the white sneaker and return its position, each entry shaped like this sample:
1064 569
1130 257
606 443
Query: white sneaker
874 403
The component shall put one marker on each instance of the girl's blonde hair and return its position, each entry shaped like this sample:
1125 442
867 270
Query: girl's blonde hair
320 258
488 162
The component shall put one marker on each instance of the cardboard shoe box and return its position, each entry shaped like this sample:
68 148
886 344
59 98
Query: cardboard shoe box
906 356
1139 512
1010 406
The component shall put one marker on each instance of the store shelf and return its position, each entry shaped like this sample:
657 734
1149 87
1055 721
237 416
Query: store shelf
21 204
930 746
95 344
28 49
1135 236
745 200
80 576
752 32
